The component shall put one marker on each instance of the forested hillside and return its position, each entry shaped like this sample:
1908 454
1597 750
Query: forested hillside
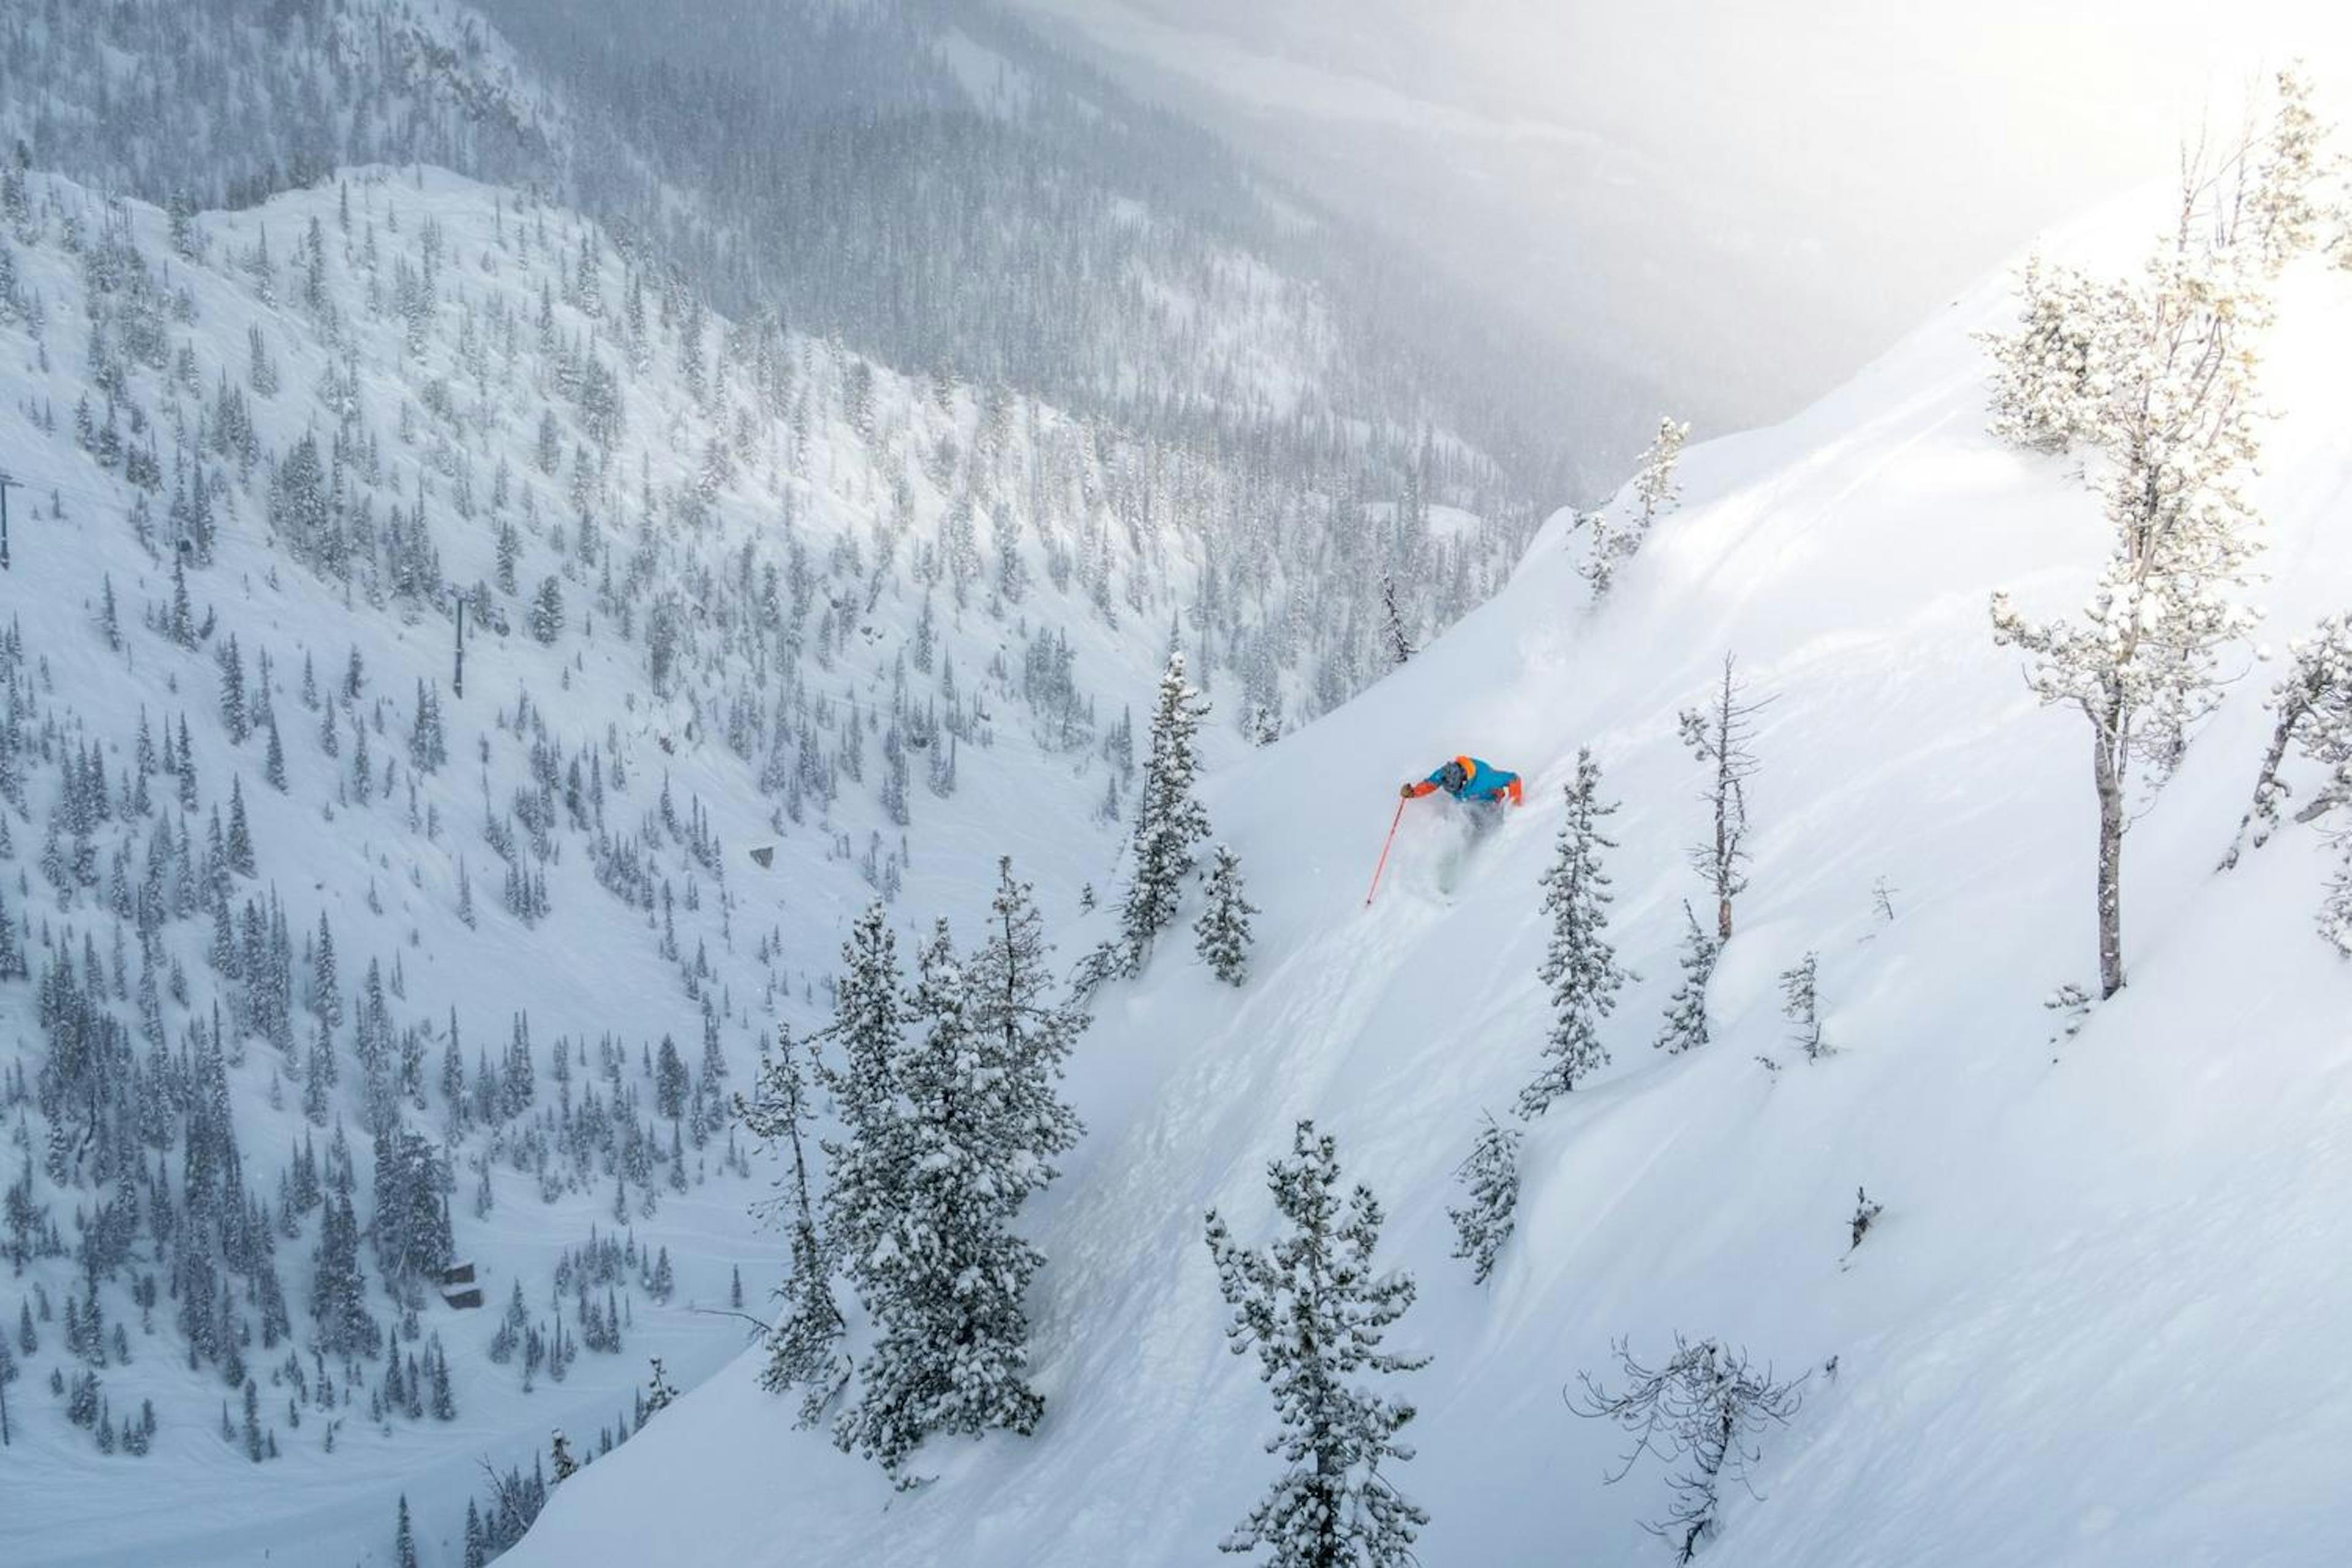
322 973
926 181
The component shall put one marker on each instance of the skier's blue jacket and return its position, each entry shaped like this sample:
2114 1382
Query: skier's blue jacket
1471 780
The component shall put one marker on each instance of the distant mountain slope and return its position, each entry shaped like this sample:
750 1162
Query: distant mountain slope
2094 1323
933 182
863 184
226 101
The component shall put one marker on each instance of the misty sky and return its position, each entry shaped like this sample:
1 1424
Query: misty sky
1749 199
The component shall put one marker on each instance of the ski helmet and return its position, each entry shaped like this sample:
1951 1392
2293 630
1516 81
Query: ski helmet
1453 775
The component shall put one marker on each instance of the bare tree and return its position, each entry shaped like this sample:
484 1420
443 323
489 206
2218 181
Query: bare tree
1702 1411
1719 735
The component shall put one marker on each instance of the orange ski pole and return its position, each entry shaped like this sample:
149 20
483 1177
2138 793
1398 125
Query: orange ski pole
1384 853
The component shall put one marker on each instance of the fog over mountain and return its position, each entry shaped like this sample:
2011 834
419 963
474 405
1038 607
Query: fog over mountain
1745 201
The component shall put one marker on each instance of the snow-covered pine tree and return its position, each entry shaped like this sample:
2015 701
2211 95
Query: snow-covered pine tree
944 1288
547 611
1800 1004
2314 704
1718 736
1392 632
1655 490
1170 821
1315 1313
8 1374
428 747
2046 374
1580 966
1490 1178
338 1288
804 1344
1022 1032
2172 416
1685 1025
1223 928
868 1162
2285 211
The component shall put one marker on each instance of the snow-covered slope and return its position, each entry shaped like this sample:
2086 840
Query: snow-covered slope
2096 1323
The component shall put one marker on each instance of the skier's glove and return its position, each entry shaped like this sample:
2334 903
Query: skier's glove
1405 792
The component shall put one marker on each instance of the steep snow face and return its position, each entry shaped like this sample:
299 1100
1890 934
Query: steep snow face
2095 1323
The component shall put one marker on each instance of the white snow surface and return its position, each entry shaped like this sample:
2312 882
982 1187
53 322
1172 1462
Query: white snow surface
2098 1322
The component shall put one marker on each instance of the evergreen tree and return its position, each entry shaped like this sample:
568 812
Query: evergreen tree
669 1081
547 611
240 833
1223 928
2045 372
1685 1025
1023 1037
1490 1177
867 1161
428 748
12 950
232 692
1580 966
1654 491
403 1539
411 1224
1800 1004
326 988
1315 1313
2314 704
804 1346
9 1372
273 766
944 1290
338 1288
1170 821
1393 631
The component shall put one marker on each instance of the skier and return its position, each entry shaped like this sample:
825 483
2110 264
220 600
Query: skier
1467 778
